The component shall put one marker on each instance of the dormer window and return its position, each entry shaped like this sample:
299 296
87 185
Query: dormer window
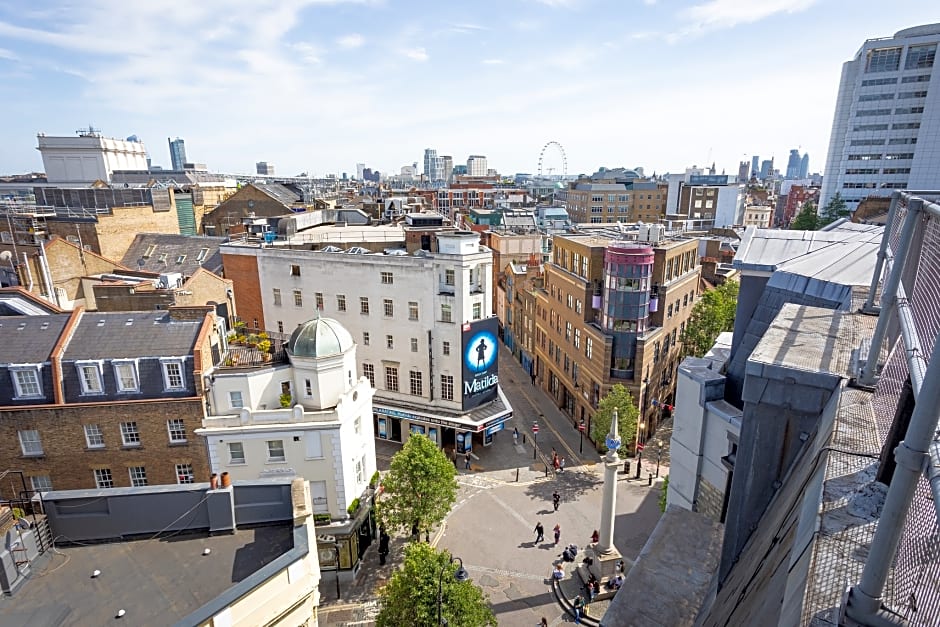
89 376
173 379
125 373
26 380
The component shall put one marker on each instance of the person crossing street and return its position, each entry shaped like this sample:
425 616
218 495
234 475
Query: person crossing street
557 533
539 532
556 499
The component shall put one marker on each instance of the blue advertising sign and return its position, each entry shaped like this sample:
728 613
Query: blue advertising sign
480 364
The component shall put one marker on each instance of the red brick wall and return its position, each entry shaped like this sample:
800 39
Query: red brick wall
243 270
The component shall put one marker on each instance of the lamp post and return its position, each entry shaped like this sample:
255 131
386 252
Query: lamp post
581 431
460 575
336 547
639 451
659 454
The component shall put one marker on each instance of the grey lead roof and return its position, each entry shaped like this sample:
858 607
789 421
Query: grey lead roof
126 335
29 339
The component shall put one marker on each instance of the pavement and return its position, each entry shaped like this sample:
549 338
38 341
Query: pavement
491 527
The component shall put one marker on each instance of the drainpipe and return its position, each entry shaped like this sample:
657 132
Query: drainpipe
869 306
864 602
47 276
29 273
889 293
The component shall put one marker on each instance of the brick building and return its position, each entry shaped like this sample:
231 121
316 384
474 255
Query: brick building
622 201
262 200
611 311
105 399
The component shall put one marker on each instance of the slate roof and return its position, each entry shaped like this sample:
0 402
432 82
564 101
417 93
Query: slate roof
16 301
30 339
125 335
174 246
767 249
280 193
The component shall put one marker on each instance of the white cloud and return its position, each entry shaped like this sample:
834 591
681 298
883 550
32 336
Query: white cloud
493 61
465 28
308 53
353 40
416 54
8 54
716 14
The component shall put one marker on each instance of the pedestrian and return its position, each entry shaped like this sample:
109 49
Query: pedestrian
578 608
556 499
539 532
595 537
561 465
619 566
467 460
544 621
515 435
554 455
558 572
555 463
383 546
557 533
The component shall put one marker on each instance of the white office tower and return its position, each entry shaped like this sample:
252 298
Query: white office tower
886 128
476 165
433 165
89 156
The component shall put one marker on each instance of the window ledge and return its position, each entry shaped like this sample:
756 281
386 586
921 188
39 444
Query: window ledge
129 447
276 461
180 443
96 448
33 455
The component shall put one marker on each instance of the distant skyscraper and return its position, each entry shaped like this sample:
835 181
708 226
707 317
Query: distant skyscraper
476 165
743 173
755 165
804 166
433 165
766 168
360 169
447 162
264 168
886 128
177 153
793 165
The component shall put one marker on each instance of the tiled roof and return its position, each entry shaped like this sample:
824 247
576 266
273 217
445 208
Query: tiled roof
126 335
196 251
29 339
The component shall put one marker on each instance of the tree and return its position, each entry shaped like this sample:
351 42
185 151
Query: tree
834 210
420 487
806 219
711 315
411 595
627 414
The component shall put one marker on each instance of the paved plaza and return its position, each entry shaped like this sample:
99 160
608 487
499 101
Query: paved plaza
491 528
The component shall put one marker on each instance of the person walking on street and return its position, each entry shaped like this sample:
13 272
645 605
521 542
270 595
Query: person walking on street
561 465
555 463
543 622
595 537
467 460
556 499
539 532
383 546
515 435
578 605
557 533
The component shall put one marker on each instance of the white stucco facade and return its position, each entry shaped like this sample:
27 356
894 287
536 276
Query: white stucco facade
325 437
89 157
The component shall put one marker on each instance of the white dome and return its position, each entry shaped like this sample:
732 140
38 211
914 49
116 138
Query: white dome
320 337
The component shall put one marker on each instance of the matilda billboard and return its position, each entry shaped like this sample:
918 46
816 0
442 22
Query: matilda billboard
480 367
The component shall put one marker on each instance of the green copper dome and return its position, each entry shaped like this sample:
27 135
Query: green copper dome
320 337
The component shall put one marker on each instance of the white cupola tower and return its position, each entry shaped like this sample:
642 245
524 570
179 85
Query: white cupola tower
323 356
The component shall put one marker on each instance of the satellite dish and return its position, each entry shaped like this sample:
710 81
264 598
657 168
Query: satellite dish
141 262
6 255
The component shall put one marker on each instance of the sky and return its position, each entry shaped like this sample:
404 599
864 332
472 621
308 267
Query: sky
318 85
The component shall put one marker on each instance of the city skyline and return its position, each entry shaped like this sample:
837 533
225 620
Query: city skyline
317 86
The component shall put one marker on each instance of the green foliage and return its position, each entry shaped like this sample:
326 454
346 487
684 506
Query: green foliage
662 494
711 315
18 513
286 399
374 481
806 219
834 210
410 597
353 507
627 414
420 488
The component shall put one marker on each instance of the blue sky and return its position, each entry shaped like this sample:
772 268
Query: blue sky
318 85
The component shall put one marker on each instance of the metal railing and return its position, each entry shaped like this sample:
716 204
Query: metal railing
900 583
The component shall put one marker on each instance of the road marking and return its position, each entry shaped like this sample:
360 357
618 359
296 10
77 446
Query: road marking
505 573
509 509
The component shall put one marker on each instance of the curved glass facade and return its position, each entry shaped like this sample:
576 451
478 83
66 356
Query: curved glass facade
625 310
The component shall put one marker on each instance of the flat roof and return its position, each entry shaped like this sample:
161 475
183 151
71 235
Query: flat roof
156 582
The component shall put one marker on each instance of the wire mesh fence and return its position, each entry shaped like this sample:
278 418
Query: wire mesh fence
914 587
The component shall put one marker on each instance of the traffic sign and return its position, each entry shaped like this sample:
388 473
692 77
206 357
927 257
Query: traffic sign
639 446
581 426
535 427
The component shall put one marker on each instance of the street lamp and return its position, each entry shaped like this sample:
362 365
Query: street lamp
581 431
659 454
460 575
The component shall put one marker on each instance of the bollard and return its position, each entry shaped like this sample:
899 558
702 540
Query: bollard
546 470
517 475
626 468
523 438
650 482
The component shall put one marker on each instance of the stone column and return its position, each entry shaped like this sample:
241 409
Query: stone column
609 507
